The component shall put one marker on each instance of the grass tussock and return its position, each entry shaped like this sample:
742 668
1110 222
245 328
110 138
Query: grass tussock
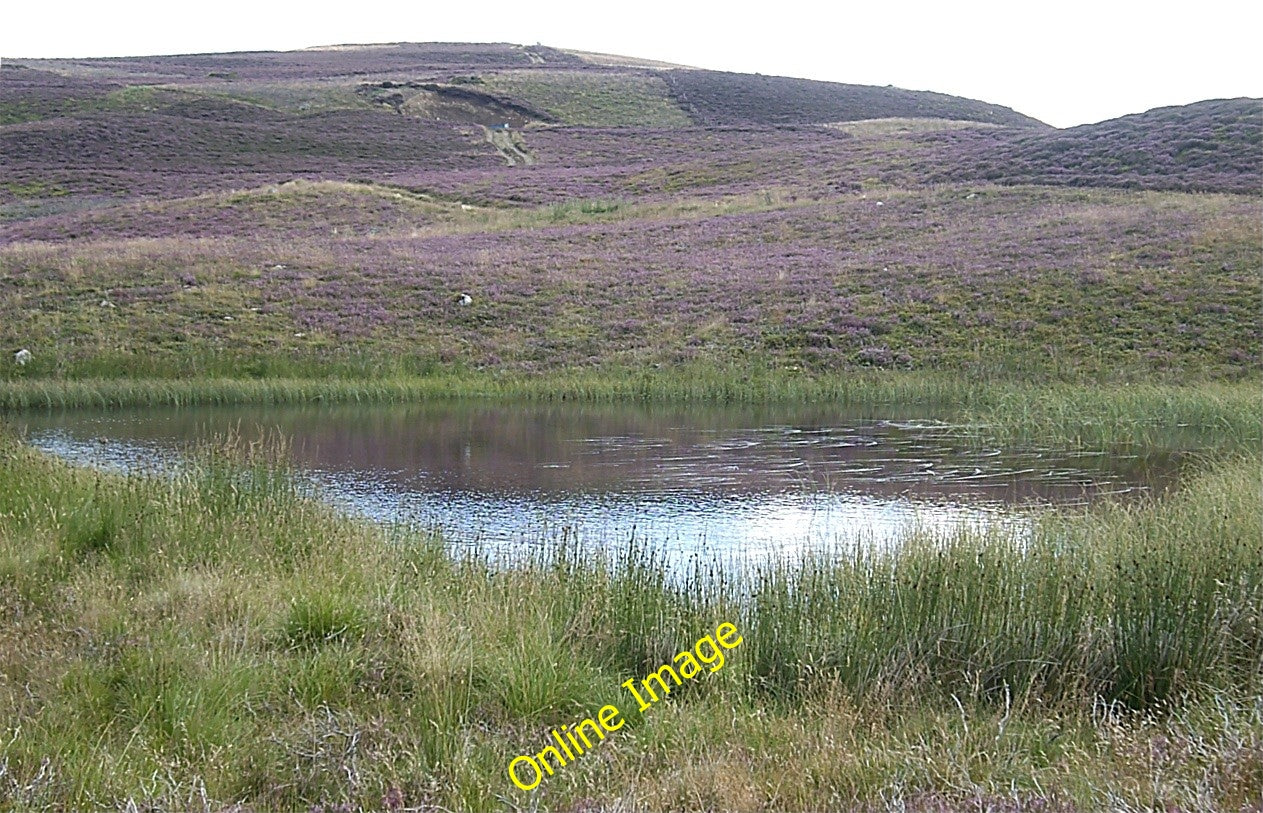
217 638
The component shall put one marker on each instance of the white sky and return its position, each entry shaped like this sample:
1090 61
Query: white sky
1066 63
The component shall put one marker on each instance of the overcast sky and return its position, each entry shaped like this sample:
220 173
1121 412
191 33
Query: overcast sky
1066 63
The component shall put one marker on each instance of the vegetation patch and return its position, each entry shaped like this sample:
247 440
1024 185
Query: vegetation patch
257 648
594 98
356 223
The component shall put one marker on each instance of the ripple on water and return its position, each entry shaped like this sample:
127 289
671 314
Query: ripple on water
742 483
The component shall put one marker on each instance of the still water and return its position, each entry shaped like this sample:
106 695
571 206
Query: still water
740 482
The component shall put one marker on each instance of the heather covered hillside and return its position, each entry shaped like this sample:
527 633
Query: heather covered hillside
713 97
331 62
1103 283
1212 145
602 212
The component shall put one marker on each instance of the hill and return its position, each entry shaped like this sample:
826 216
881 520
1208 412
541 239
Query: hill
583 88
713 97
1208 146
280 210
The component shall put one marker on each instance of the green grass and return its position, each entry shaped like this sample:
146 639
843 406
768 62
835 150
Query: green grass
130 99
594 99
903 126
216 635
292 97
578 284
1212 415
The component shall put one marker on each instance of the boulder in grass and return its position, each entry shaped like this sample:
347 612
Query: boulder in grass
875 356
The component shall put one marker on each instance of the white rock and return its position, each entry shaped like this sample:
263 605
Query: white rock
105 303
465 207
22 357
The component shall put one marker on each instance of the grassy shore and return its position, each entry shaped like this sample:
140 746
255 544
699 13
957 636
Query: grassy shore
1213 414
217 639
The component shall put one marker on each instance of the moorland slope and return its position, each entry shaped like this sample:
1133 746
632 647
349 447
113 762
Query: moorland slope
297 207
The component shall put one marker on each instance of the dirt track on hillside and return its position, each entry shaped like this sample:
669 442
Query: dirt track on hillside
514 152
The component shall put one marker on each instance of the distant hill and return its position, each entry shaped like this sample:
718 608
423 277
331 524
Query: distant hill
572 88
717 98
314 63
255 211
501 124
1214 145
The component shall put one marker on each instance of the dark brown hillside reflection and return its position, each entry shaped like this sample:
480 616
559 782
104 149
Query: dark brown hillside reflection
727 476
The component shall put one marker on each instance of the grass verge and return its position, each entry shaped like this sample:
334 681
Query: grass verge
1212 414
216 639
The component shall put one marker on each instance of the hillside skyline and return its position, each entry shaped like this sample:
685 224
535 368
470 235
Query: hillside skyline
1080 64
610 59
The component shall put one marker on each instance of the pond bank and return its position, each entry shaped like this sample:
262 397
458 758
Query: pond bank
219 633
1222 414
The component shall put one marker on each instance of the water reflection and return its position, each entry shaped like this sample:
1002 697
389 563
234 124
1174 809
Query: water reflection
738 481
